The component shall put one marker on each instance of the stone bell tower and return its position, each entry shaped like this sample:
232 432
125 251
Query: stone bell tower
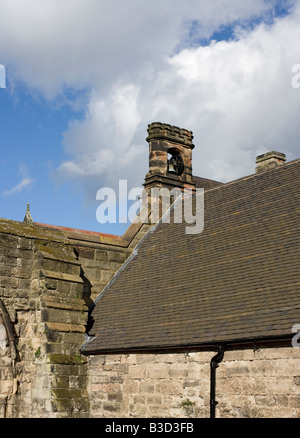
170 157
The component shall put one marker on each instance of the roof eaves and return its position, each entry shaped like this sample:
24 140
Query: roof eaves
251 341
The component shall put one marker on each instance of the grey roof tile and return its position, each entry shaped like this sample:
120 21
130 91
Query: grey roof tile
238 279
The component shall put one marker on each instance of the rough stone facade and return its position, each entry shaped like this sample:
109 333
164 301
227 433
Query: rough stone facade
41 289
249 383
48 279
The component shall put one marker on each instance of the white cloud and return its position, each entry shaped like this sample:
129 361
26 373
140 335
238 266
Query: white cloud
141 64
103 144
239 97
235 96
49 44
26 181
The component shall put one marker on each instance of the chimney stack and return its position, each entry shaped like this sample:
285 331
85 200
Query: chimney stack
269 160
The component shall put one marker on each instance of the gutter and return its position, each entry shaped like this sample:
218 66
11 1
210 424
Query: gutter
180 348
213 366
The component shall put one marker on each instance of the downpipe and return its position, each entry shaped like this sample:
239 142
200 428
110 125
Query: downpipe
214 363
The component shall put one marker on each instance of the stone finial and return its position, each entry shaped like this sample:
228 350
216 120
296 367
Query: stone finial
28 218
269 160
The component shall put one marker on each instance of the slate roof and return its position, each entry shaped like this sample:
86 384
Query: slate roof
237 280
205 183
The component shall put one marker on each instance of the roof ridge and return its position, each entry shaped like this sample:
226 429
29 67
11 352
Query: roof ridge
254 175
75 230
207 179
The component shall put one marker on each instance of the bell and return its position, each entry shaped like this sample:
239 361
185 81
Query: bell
171 168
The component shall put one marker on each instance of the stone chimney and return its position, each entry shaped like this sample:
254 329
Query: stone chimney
269 160
170 157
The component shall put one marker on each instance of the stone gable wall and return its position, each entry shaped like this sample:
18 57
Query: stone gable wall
98 267
16 260
48 280
101 256
255 384
41 292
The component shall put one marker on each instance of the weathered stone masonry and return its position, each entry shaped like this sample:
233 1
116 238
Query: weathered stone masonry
250 383
48 279
41 289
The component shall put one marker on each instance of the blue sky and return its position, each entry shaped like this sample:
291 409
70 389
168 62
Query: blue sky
31 152
79 95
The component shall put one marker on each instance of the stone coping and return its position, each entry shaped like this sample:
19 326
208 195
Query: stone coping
55 233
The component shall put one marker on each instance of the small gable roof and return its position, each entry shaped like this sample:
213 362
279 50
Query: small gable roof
238 280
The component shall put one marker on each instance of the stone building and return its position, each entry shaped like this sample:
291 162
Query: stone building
159 322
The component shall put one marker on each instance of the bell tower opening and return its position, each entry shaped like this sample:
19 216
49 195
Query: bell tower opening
170 157
175 162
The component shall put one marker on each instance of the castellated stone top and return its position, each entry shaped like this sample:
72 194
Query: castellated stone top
171 133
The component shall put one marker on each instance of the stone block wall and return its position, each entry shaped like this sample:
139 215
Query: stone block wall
249 383
16 259
102 255
48 279
149 385
99 266
260 383
42 373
